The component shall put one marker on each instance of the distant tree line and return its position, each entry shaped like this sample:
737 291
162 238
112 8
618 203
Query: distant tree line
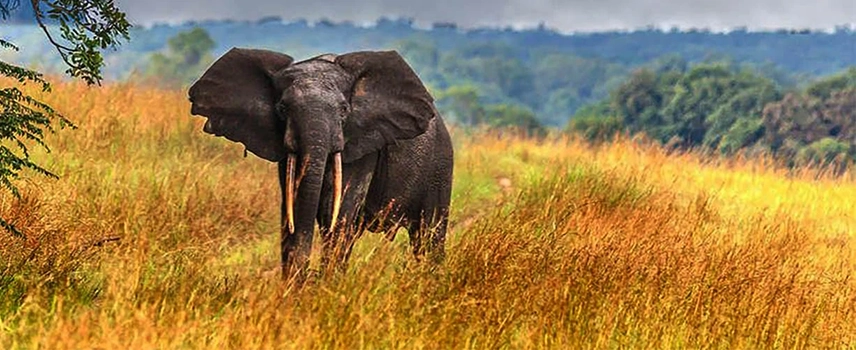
539 70
727 109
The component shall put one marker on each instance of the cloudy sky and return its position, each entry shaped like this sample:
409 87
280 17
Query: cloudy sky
563 15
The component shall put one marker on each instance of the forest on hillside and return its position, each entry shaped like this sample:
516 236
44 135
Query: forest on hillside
727 110
787 92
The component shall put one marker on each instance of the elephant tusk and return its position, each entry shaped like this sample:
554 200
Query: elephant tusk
303 168
337 188
289 191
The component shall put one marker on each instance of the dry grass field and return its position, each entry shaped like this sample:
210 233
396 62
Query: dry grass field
158 236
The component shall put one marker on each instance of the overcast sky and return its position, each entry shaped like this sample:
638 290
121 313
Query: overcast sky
563 15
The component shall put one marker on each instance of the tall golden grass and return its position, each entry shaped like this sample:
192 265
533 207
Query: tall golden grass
159 236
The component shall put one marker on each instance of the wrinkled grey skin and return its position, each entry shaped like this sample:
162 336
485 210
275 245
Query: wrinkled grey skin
370 106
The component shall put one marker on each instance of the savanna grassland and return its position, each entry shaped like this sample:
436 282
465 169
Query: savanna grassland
159 236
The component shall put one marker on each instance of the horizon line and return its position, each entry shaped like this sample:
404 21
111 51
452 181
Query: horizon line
541 26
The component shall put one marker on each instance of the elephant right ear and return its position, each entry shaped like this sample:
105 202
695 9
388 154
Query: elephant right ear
238 97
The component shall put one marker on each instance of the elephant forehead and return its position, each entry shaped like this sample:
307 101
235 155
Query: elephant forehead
313 67
318 73
308 94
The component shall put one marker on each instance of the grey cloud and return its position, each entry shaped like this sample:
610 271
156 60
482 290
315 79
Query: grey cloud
564 15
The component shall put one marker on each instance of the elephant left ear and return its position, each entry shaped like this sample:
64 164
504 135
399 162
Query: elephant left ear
238 96
388 102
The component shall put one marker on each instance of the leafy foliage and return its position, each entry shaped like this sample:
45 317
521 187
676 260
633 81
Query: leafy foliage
461 104
826 150
507 115
720 106
807 128
596 122
188 54
712 105
552 85
85 29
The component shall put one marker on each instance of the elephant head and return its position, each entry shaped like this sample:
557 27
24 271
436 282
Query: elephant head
313 115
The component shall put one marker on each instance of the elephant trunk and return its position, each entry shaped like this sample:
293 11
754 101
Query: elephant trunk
307 164
306 184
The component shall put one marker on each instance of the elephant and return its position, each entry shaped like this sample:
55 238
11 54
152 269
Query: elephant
358 142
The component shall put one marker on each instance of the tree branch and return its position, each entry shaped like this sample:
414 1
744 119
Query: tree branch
58 46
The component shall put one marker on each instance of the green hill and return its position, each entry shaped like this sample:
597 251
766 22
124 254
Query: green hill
547 72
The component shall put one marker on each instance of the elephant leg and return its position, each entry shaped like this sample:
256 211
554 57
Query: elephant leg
338 243
437 228
428 232
416 232
428 235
